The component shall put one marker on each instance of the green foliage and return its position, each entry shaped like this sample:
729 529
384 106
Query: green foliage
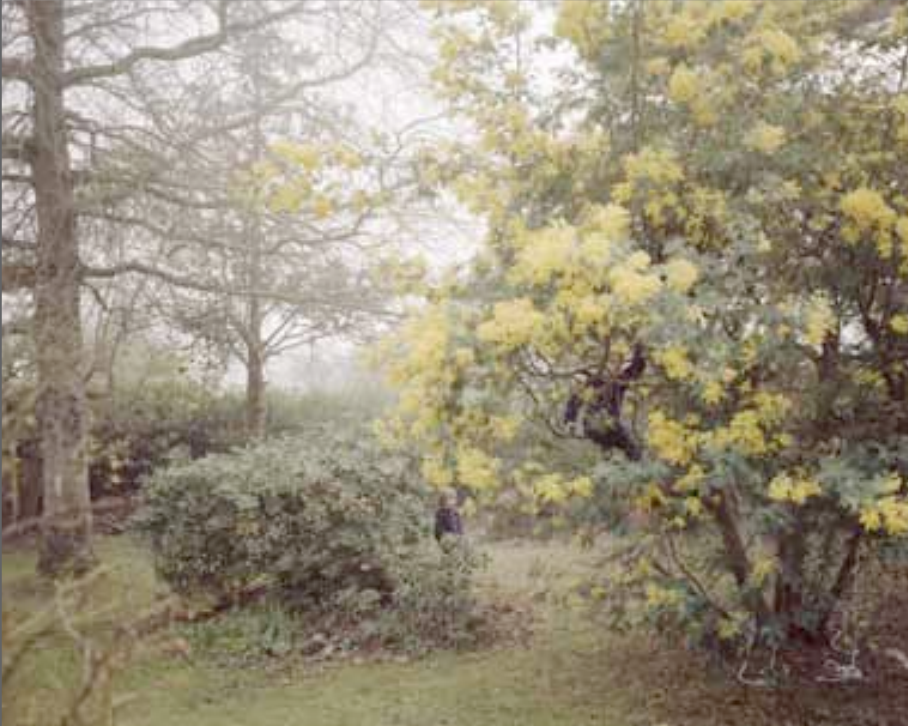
317 515
328 524
434 600
698 245
144 426
245 636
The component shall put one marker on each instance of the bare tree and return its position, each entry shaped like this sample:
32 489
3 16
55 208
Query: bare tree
258 281
61 61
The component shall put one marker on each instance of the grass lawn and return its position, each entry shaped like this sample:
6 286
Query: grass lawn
567 673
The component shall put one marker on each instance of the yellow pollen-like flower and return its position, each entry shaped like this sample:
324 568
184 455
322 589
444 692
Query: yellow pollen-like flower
681 275
765 138
684 85
899 324
820 321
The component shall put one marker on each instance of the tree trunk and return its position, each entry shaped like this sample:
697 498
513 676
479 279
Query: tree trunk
255 357
255 395
844 577
788 599
61 409
728 521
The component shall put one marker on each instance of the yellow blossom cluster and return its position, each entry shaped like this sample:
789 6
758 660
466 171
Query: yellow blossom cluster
729 628
611 221
707 215
772 408
796 489
436 472
690 480
675 362
765 138
869 378
307 156
771 48
554 488
544 254
658 596
820 320
867 209
293 178
743 433
763 566
671 440
590 313
651 498
713 392
514 323
476 469
504 428
652 177
629 281
866 212
684 30
899 324
690 88
681 274
889 514
322 206
901 231
693 507
653 165
583 23
684 84
426 338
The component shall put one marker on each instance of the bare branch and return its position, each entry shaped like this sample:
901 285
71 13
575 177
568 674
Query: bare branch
17 148
16 327
187 49
13 243
17 276
17 69
192 283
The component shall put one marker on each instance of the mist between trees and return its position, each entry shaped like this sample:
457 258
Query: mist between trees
200 177
633 267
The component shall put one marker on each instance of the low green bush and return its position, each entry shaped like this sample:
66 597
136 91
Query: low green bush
329 524
314 516
434 603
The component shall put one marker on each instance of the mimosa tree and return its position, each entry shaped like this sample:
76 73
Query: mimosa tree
692 299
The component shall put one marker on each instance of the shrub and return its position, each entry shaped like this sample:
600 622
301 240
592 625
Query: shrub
434 602
328 524
314 516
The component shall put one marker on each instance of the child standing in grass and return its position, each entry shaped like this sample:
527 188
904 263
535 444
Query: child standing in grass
447 518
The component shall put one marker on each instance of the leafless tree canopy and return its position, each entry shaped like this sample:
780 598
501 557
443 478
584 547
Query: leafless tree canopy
130 131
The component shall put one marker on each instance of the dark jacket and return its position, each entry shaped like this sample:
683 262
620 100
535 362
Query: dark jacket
447 521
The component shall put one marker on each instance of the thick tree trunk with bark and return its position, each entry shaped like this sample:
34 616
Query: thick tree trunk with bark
61 410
